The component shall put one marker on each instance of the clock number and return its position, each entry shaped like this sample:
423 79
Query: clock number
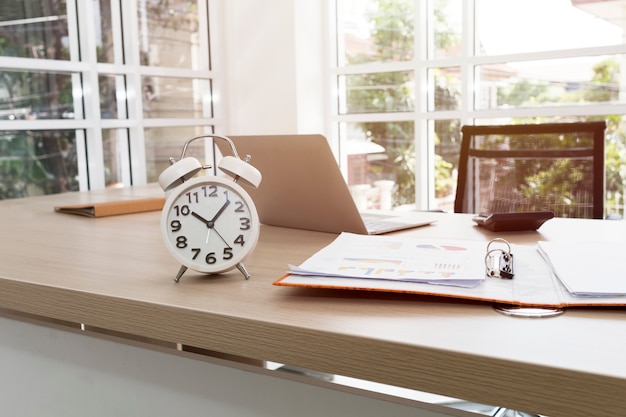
245 223
175 224
240 240
184 210
193 197
196 252
210 190
181 242
239 208
210 258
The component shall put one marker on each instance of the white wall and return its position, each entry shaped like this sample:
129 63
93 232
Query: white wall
311 56
272 66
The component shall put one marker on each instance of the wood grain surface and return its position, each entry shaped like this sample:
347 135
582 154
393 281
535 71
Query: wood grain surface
114 273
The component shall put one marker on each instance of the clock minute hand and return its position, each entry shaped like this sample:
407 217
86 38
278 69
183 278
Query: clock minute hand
221 210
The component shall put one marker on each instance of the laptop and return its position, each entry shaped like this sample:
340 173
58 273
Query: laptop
303 188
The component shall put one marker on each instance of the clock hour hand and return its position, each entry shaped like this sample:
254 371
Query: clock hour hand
202 219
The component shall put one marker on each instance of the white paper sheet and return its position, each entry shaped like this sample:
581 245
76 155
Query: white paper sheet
593 269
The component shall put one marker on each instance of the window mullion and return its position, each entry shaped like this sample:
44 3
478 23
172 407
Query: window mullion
424 146
91 95
77 95
134 92
468 70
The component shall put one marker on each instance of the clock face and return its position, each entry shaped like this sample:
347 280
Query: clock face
210 225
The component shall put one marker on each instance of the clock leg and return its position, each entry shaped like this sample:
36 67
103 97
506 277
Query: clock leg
243 270
180 273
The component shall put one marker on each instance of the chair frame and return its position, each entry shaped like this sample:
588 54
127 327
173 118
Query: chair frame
596 127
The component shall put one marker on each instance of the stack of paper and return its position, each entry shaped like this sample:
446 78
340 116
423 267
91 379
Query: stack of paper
587 269
433 261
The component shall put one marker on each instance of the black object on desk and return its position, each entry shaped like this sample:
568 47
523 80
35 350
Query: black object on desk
501 222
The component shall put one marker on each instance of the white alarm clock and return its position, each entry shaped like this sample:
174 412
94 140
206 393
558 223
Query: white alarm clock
209 223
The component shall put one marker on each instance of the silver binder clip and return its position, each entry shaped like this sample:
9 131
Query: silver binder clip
499 262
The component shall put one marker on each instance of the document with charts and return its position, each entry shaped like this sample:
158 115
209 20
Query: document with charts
433 261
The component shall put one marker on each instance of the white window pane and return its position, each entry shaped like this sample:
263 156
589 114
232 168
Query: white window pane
169 35
173 97
445 28
34 29
103 23
37 162
509 27
446 135
445 88
555 82
113 101
114 149
370 31
377 92
33 95
381 151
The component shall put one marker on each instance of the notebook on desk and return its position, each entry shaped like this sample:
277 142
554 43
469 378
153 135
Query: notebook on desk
303 187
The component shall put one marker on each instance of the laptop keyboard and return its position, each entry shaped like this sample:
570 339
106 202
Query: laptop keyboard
375 222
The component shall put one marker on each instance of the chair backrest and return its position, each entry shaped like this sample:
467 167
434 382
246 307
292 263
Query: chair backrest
557 167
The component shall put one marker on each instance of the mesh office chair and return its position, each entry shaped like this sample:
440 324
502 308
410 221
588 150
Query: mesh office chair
557 167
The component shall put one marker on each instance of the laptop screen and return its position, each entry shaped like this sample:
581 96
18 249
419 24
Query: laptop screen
302 185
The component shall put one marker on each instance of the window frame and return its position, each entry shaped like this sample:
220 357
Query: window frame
130 123
467 113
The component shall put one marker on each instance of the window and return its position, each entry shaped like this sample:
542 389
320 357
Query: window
99 93
410 73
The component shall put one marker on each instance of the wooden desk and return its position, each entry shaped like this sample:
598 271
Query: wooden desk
115 274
